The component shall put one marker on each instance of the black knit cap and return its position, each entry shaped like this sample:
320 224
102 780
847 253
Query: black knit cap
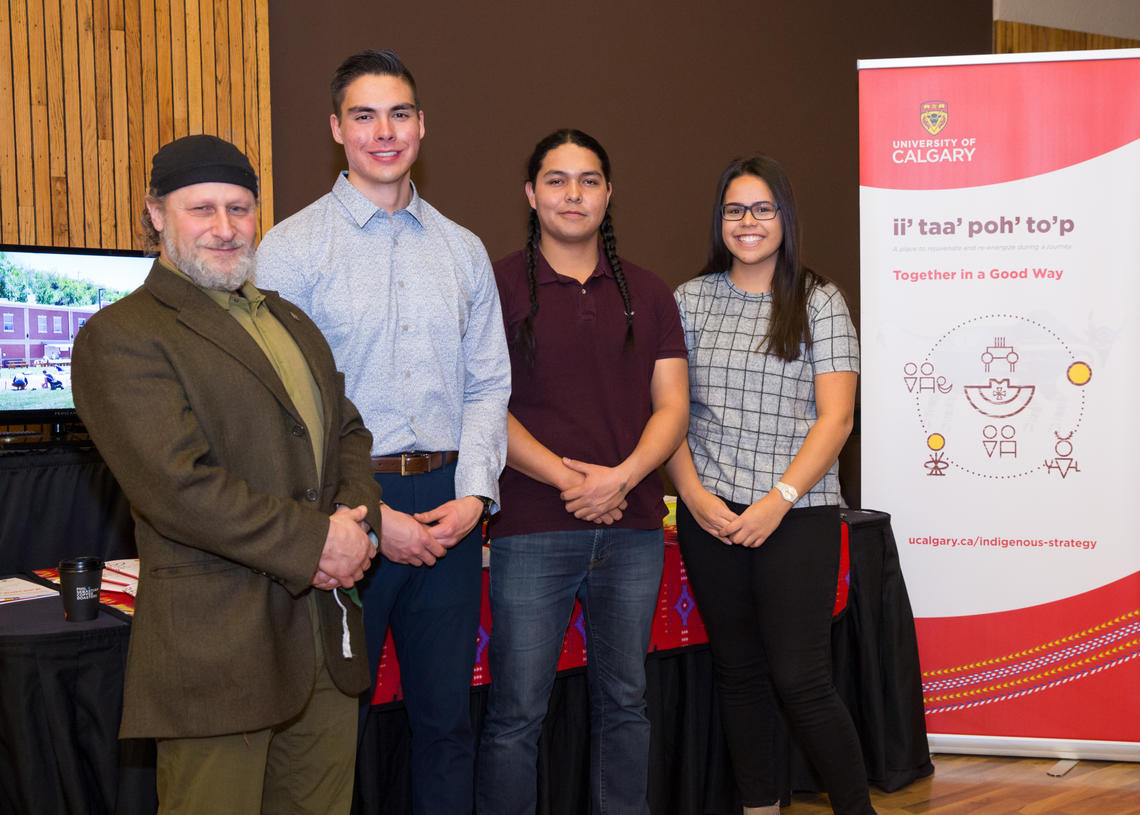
199 160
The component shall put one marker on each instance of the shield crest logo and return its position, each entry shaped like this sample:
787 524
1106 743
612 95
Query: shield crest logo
934 116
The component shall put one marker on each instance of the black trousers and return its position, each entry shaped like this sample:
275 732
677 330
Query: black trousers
434 615
768 613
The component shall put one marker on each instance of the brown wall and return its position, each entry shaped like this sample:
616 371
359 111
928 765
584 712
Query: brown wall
673 90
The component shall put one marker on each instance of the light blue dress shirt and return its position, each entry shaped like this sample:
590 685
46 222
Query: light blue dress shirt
409 305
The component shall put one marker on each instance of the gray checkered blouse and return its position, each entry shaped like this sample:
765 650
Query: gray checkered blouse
751 411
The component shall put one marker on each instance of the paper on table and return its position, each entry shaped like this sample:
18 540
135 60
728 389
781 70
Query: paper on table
15 589
128 567
121 575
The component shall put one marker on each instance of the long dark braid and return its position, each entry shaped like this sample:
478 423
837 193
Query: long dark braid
525 334
610 245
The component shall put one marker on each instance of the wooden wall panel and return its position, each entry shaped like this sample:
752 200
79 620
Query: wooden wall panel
22 121
103 127
56 128
148 73
178 67
132 177
263 130
191 29
9 221
89 90
206 34
221 54
164 72
1019 38
236 80
89 139
72 127
252 121
119 181
37 80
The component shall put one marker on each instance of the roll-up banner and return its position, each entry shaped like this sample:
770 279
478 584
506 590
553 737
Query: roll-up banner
1000 282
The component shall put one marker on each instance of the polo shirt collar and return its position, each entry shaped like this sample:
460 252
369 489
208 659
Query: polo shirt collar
361 210
544 272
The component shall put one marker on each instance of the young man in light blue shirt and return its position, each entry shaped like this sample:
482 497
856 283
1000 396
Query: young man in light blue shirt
409 305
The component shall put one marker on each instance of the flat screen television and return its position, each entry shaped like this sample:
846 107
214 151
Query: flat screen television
46 296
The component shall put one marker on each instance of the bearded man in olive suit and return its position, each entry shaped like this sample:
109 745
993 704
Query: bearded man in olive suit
220 411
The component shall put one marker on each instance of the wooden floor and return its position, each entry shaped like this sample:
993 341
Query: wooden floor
982 785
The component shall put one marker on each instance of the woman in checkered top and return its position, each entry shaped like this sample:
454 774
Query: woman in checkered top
773 364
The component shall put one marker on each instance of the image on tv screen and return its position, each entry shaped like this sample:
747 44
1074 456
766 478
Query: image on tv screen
46 295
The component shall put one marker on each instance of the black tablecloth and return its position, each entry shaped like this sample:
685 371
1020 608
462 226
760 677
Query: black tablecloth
689 769
875 664
61 683
875 657
61 689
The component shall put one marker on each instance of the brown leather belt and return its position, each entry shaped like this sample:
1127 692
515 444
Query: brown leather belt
415 463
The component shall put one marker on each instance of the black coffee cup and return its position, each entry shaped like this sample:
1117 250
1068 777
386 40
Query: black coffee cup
79 581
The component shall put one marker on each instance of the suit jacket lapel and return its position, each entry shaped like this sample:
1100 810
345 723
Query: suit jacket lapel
203 316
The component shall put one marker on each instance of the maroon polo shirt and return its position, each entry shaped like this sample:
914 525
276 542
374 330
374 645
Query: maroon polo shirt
585 396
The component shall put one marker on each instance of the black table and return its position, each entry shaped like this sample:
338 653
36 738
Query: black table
876 670
61 683
61 690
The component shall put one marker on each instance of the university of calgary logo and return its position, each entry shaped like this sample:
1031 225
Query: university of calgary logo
934 116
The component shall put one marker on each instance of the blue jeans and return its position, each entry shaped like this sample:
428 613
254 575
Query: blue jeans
616 573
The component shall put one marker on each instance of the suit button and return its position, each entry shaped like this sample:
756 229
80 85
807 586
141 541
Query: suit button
310 495
298 430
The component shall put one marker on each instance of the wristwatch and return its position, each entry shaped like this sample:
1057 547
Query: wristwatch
790 493
487 504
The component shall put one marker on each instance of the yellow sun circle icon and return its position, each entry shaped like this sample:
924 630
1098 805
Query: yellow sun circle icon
935 441
1080 373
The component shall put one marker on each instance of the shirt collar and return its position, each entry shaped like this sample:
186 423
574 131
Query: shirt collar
362 210
225 299
544 272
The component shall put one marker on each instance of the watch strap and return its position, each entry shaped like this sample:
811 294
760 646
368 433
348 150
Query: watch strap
790 493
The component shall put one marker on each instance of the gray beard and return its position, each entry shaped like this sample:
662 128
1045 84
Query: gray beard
201 272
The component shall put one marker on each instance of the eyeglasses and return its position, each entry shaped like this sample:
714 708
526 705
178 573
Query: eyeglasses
761 211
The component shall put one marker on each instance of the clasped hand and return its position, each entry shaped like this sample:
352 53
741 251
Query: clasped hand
750 528
599 495
450 522
423 538
347 553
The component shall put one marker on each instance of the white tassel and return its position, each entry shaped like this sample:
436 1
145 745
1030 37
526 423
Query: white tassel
345 639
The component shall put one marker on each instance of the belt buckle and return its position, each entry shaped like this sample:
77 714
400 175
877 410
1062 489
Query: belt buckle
406 457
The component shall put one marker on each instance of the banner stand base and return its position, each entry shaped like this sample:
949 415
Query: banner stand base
1034 748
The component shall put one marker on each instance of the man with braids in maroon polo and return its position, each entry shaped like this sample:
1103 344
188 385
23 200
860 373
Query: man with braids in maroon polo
599 400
